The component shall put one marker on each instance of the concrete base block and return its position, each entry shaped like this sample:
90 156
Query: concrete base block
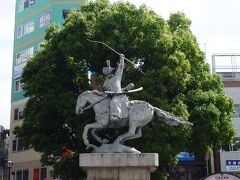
118 166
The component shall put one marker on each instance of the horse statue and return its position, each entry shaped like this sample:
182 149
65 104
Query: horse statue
140 113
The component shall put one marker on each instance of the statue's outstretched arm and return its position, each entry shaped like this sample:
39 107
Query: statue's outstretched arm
119 71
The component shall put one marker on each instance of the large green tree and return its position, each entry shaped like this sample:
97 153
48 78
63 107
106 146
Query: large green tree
176 79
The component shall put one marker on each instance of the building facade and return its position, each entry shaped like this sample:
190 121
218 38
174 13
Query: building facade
4 137
227 66
32 17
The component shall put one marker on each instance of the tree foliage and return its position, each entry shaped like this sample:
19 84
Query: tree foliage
176 79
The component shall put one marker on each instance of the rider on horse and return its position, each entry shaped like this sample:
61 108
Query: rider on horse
119 101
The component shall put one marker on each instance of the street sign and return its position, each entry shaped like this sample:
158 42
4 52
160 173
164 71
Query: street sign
185 156
233 165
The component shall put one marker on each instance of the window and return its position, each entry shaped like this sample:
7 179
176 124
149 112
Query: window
14 146
18 146
25 29
13 176
18 114
25 174
24 55
18 86
235 146
237 111
20 175
21 61
44 19
232 147
43 174
65 13
40 173
24 4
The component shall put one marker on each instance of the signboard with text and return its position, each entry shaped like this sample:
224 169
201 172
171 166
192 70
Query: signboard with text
233 165
17 70
185 156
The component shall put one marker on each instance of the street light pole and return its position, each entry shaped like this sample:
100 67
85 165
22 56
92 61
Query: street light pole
9 166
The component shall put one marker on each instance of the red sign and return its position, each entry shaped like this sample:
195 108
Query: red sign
36 174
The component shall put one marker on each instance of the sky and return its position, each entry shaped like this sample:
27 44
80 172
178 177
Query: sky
215 23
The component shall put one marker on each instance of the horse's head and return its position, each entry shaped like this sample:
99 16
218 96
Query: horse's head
88 97
81 102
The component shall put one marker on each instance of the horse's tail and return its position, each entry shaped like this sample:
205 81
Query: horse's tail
170 119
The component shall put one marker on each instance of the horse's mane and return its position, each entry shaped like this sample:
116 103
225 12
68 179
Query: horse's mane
95 92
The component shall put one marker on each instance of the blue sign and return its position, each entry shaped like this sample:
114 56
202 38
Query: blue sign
232 162
185 156
233 165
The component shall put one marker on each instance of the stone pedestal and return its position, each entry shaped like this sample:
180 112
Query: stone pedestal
118 166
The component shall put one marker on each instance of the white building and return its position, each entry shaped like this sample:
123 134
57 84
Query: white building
228 68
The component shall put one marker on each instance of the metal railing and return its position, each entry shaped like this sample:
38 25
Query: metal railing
227 66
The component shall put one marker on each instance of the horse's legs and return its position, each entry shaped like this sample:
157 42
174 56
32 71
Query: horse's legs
96 137
99 139
137 135
85 133
131 132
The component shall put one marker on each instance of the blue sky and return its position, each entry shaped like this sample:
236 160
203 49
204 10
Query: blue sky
216 24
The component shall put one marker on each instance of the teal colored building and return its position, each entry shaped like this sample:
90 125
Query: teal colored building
31 20
32 17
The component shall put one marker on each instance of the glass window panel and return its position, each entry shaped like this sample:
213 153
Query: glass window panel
21 86
20 32
20 113
31 2
21 5
65 13
26 4
20 145
25 29
19 175
237 111
14 145
41 21
18 58
24 55
16 114
44 19
31 50
226 148
43 173
13 177
31 27
17 85
25 175
48 17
